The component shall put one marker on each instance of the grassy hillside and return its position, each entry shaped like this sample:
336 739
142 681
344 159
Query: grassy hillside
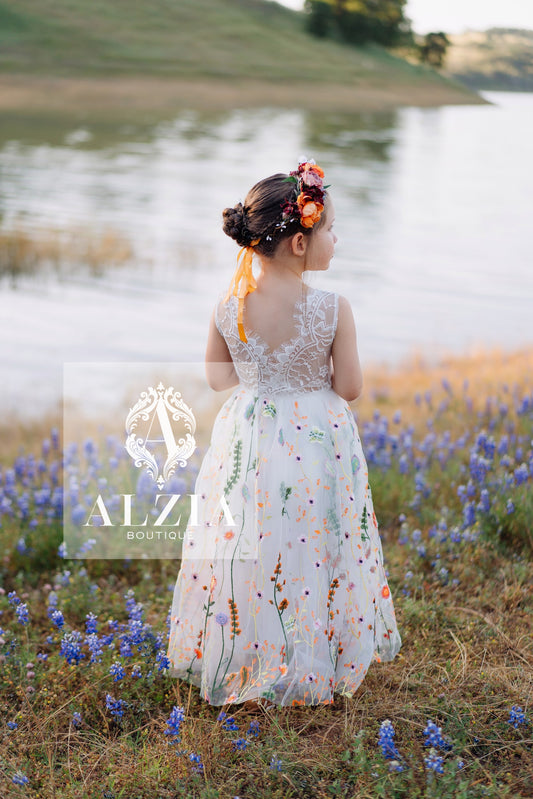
228 39
499 58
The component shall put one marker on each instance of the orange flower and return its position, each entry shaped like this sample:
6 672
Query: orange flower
283 668
310 210
385 593
229 535
198 653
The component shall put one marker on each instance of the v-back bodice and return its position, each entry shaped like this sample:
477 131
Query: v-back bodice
298 365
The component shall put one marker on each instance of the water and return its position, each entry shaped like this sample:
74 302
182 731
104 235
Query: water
433 210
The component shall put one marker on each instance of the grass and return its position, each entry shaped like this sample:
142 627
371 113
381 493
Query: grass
466 658
60 251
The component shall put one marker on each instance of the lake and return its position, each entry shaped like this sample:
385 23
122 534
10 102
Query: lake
433 216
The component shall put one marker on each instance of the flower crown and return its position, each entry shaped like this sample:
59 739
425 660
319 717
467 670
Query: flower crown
309 204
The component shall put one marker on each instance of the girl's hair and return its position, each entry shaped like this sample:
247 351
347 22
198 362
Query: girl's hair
262 210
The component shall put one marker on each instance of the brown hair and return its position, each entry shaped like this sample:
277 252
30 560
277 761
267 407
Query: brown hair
262 210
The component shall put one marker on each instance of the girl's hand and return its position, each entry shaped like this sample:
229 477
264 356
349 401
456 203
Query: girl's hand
347 378
219 368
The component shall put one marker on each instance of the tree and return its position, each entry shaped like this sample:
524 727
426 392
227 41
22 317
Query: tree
433 50
359 21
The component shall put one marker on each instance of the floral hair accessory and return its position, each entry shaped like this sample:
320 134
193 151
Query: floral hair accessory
309 203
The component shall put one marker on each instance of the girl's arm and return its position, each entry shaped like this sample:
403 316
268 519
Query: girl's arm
219 369
347 378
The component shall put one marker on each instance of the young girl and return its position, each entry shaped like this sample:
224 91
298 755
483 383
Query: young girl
282 593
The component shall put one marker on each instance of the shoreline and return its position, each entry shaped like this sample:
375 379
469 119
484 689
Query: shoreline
111 96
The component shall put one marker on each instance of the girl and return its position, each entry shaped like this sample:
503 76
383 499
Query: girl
282 593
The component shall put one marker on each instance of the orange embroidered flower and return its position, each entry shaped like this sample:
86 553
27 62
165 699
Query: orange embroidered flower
229 535
283 668
385 593
198 653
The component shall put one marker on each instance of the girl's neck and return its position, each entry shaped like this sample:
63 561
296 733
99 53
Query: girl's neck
287 271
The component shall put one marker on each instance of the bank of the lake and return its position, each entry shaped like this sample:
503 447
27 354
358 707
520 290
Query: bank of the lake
137 95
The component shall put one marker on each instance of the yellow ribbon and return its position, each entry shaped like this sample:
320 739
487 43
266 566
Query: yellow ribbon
243 283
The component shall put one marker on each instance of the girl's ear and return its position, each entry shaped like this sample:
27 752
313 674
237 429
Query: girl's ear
298 244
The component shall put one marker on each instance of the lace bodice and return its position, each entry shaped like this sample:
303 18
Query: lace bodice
298 365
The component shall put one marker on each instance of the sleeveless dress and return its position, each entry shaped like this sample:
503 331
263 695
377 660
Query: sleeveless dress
282 592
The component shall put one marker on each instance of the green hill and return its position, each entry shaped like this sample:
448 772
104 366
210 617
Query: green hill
499 58
230 40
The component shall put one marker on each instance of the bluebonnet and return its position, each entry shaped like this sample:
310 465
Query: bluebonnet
71 647
198 767
21 611
174 722
12 725
386 741
19 778
96 647
239 743
76 719
517 717
228 722
434 762
115 706
91 623
117 671
434 738
254 728
275 764
57 618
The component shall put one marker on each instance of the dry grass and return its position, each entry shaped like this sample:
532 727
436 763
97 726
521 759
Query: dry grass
22 253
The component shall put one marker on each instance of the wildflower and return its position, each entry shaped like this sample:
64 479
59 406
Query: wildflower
275 764
12 725
21 611
253 729
91 623
434 737
57 618
71 647
510 506
517 717
19 778
433 762
239 744
386 742
222 619
117 671
228 722
76 719
177 715
62 550
198 767
115 706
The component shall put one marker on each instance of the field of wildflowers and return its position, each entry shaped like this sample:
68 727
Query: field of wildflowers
87 706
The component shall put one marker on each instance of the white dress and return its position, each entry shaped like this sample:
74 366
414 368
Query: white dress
282 592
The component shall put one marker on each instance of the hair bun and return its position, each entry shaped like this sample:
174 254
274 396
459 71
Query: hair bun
234 224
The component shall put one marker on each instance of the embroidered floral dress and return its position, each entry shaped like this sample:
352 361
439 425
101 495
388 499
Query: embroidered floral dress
282 592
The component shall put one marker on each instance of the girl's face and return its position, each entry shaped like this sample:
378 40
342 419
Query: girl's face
321 246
